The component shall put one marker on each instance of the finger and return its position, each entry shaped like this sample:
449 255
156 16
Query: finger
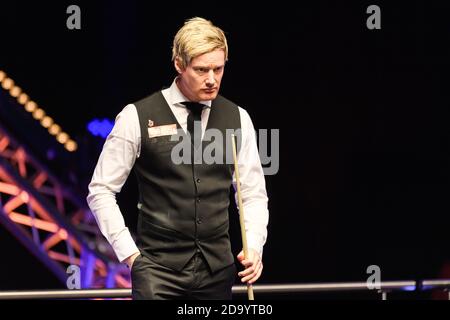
247 263
252 274
247 271
250 256
251 281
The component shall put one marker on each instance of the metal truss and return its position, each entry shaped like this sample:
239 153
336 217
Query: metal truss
53 223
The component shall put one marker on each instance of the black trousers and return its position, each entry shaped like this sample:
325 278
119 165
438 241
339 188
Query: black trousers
151 281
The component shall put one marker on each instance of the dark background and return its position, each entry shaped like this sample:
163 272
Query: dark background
363 118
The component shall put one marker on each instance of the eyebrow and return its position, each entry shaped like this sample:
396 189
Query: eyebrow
207 67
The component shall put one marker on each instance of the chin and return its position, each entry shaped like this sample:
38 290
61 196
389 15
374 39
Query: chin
208 96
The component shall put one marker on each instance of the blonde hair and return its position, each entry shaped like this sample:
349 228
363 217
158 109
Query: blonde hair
196 37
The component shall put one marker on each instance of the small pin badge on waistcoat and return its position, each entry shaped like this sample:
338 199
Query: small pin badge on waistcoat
150 123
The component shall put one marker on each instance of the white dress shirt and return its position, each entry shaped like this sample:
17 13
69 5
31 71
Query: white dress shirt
122 147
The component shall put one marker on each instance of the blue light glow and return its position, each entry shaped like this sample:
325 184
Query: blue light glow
100 128
409 288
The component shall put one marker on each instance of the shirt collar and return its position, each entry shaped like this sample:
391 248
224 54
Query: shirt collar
176 97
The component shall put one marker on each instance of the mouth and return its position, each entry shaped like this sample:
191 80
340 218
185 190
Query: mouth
209 90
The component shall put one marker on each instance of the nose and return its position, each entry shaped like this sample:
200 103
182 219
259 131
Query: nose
210 81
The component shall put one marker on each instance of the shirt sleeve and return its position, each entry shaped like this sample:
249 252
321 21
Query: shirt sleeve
253 186
116 160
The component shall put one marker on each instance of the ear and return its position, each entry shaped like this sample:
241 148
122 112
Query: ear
177 64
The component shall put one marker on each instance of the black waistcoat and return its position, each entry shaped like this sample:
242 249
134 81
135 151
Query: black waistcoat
183 207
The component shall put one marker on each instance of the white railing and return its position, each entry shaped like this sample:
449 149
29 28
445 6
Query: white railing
383 288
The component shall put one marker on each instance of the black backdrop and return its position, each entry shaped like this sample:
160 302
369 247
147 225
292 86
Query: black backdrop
364 141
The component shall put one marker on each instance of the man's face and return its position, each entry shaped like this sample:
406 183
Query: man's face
200 80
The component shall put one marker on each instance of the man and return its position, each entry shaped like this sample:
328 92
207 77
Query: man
183 248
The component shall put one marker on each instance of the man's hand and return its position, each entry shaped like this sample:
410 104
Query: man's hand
253 266
130 260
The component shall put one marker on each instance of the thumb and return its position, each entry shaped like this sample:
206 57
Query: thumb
240 256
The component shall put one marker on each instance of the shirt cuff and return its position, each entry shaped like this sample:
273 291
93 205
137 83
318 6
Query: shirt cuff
124 245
